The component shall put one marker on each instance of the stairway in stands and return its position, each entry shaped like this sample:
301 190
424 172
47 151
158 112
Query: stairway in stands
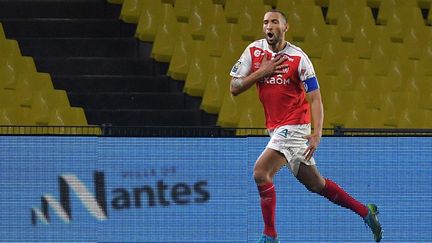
96 59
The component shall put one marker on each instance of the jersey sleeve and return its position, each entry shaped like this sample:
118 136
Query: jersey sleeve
243 67
307 75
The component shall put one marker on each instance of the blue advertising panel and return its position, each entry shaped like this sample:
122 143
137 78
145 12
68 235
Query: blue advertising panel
99 189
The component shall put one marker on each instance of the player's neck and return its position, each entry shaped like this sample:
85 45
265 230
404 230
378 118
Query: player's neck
278 46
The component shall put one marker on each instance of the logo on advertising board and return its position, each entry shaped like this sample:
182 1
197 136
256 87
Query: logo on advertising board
160 193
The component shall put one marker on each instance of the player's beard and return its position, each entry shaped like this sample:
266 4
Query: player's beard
273 39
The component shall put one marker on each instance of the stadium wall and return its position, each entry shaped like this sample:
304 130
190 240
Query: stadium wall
113 189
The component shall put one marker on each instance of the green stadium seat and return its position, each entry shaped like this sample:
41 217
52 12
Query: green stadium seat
153 13
131 10
182 54
166 37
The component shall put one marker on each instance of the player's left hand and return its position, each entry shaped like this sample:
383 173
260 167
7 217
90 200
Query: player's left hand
313 141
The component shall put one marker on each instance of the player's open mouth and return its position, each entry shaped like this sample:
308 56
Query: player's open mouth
270 35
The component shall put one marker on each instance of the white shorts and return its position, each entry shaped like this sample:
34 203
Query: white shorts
290 141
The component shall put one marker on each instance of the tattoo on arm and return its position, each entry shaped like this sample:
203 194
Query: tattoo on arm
237 83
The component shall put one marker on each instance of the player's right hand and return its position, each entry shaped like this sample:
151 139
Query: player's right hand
273 66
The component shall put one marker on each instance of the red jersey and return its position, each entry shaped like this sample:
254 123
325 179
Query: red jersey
283 95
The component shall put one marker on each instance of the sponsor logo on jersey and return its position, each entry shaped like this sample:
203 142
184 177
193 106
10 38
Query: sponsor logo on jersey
278 79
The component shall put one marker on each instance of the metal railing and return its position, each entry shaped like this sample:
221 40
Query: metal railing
178 131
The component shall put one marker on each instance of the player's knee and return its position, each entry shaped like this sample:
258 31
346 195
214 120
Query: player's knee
315 187
261 177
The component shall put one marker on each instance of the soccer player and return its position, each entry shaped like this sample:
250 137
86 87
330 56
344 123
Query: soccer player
290 94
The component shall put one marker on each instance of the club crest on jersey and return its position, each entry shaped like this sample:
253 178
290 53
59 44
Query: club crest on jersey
258 53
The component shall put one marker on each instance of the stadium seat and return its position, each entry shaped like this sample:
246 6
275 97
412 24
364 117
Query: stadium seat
182 10
44 102
351 19
251 20
232 106
337 8
153 14
220 2
416 40
338 102
364 41
131 10
302 18
393 104
252 117
200 67
9 48
12 68
233 9
336 52
402 20
218 33
182 54
203 14
348 74
30 83
429 17
285 6
14 116
2 33
417 118
8 98
361 117
316 40
381 52
69 116
166 37
387 6
371 91
172 2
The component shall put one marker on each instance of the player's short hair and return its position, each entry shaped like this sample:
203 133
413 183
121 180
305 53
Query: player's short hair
274 10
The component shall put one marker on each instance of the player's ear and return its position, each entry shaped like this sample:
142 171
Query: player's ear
286 27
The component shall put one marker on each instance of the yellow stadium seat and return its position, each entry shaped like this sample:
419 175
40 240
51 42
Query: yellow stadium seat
415 118
371 91
166 37
336 52
220 2
153 14
218 33
182 10
361 117
403 20
364 40
44 102
348 74
387 6
251 112
416 40
351 19
233 9
116 1
9 48
250 23
68 116
316 40
381 53
131 10
425 4
287 5
8 98
200 68
15 116
203 14
2 33
336 9
394 103
13 68
429 17
182 54
302 18
28 84
338 102
172 2
230 110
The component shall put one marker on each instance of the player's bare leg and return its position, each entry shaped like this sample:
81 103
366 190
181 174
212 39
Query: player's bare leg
266 166
309 176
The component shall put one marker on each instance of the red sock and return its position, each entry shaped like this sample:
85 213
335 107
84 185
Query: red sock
268 205
340 197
